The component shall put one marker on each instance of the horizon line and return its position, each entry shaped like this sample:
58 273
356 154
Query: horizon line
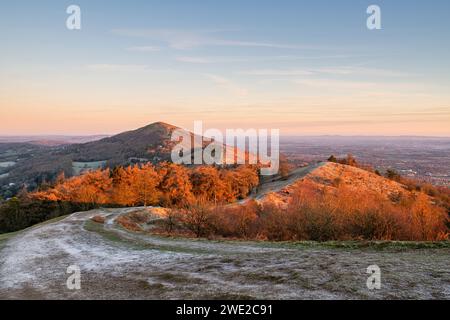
281 136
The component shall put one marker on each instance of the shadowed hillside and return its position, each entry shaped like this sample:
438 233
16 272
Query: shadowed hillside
35 165
151 143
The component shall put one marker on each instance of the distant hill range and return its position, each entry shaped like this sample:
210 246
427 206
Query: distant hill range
51 140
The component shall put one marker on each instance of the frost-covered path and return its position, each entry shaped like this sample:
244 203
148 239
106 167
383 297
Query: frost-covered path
118 264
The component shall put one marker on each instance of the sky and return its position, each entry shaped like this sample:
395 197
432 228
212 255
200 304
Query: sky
304 67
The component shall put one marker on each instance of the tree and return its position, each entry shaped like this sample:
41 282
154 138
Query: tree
332 158
207 184
284 167
393 175
136 185
231 192
247 180
350 161
122 187
197 218
427 220
11 218
60 178
239 182
93 187
175 184
146 181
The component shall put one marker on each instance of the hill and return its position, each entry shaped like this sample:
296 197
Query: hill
328 175
50 140
150 143
35 164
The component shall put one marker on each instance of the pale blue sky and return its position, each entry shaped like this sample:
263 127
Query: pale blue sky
306 67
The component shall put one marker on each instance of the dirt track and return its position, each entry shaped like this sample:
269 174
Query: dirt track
118 264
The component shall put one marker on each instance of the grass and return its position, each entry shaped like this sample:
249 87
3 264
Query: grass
49 221
79 166
96 227
349 244
4 237
142 245
298 245
377 245
135 244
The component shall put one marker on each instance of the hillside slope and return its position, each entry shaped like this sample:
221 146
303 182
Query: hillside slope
150 142
329 175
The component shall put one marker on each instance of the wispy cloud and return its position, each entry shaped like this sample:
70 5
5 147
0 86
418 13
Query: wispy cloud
178 39
136 68
367 88
335 84
188 39
117 67
351 70
337 71
275 58
196 60
212 60
144 49
227 84
232 43
277 72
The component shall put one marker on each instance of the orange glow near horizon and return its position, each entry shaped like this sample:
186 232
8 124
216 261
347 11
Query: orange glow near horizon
87 112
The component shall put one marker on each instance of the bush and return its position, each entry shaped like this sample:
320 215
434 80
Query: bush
128 223
20 213
322 215
98 219
237 221
343 214
197 218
